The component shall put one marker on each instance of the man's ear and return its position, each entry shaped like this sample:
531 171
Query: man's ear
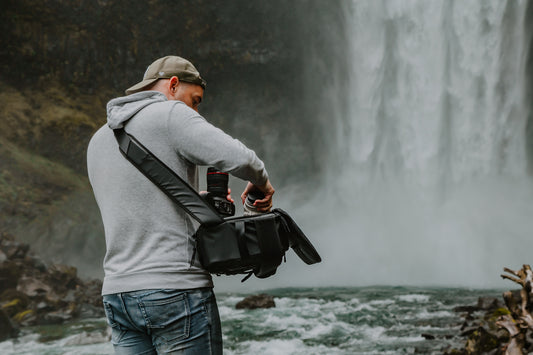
173 85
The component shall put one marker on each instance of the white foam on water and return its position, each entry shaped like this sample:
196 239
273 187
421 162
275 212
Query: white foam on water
425 314
283 321
381 302
413 298
278 347
334 305
26 344
364 307
85 338
23 346
319 330
377 335
93 349
353 301
374 333
231 312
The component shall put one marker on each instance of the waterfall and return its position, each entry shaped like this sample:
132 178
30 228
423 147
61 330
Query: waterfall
427 179
436 90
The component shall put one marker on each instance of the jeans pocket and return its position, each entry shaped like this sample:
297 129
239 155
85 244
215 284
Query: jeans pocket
167 314
109 315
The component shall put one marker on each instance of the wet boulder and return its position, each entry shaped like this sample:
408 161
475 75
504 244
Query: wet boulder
482 341
10 272
63 277
7 330
256 301
33 287
13 249
489 303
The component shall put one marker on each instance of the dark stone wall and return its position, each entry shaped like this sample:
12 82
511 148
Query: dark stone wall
109 43
255 55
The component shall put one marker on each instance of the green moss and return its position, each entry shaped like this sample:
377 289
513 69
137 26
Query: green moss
495 315
501 312
13 303
54 122
29 182
19 317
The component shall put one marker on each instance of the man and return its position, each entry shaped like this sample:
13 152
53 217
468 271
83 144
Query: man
156 296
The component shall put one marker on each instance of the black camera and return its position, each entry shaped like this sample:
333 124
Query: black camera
217 191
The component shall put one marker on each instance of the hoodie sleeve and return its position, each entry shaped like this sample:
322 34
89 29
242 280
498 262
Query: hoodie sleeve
201 143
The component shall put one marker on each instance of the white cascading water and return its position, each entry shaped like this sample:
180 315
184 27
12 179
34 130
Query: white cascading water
427 180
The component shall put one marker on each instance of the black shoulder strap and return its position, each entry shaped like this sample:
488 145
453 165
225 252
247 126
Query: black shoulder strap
166 179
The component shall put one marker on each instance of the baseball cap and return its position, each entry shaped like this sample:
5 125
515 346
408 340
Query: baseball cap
167 67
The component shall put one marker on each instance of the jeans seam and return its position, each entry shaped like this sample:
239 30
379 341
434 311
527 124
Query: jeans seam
209 339
111 318
145 317
123 305
188 312
206 307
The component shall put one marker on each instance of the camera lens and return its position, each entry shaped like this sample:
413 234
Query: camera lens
255 195
217 182
249 208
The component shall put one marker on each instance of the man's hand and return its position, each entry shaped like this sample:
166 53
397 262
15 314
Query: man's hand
265 204
229 196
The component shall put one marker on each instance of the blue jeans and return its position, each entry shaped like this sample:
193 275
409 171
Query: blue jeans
164 322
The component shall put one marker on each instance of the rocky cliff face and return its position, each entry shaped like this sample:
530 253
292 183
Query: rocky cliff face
61 61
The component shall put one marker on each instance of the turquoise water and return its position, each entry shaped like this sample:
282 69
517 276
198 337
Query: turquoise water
367 320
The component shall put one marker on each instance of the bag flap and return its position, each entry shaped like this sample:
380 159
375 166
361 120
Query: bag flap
298 241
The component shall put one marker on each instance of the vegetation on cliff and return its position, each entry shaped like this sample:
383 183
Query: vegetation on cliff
61 61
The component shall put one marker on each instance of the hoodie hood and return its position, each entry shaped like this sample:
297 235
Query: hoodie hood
121 109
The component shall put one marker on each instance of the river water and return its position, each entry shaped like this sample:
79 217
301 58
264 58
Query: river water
364 320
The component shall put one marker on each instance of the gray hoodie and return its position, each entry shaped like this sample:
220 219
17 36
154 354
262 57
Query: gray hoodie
148 237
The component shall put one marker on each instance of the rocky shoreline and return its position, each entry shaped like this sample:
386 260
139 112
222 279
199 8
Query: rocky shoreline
503 326
34 293
479 329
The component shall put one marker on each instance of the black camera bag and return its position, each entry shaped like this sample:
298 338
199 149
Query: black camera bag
235 245
252 244
242 245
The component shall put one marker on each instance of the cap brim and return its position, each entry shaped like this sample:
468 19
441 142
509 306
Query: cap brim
139 86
